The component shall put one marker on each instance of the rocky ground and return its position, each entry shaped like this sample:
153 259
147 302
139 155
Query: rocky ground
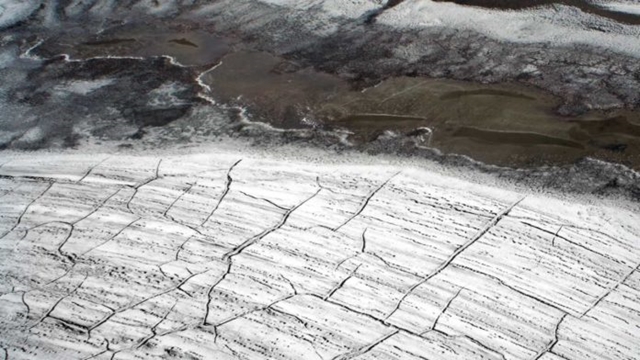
586 59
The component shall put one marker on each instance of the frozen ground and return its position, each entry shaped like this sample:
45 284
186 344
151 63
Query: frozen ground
558 25
238 254
226 255
587 58
630 7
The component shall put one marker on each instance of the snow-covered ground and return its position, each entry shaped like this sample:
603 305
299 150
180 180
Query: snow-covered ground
631 7
12 12
231 253
557 25
554 24
235 255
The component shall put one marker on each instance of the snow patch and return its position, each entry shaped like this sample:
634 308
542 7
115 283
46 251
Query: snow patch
83 87
32 135
7 57
560 25
7 136
14 11
629 8
165 96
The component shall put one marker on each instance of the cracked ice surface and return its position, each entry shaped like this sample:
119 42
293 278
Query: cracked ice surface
228 256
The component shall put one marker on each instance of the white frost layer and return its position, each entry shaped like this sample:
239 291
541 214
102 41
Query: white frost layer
83 87
224 255
14 11
344 8
560 25
629 8
324 17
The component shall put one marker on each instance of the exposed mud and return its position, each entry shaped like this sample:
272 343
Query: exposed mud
187 46
505 124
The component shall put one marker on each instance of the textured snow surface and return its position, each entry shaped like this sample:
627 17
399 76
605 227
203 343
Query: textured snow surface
220 256
14 11
558 25
345 8
630 8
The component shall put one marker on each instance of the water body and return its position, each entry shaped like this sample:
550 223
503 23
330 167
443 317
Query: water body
505 124
513 138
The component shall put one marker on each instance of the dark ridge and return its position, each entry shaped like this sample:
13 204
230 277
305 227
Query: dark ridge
619 148
145 117
370 16
615 125
109 42
491 92
183 42
583 5
512 137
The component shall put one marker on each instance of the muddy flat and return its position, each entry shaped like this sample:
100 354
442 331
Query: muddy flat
506 124
187 46
521 84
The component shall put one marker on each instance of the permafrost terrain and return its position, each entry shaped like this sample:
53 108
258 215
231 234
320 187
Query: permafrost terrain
222 256
136 222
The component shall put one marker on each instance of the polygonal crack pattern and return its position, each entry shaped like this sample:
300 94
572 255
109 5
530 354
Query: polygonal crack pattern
228 257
